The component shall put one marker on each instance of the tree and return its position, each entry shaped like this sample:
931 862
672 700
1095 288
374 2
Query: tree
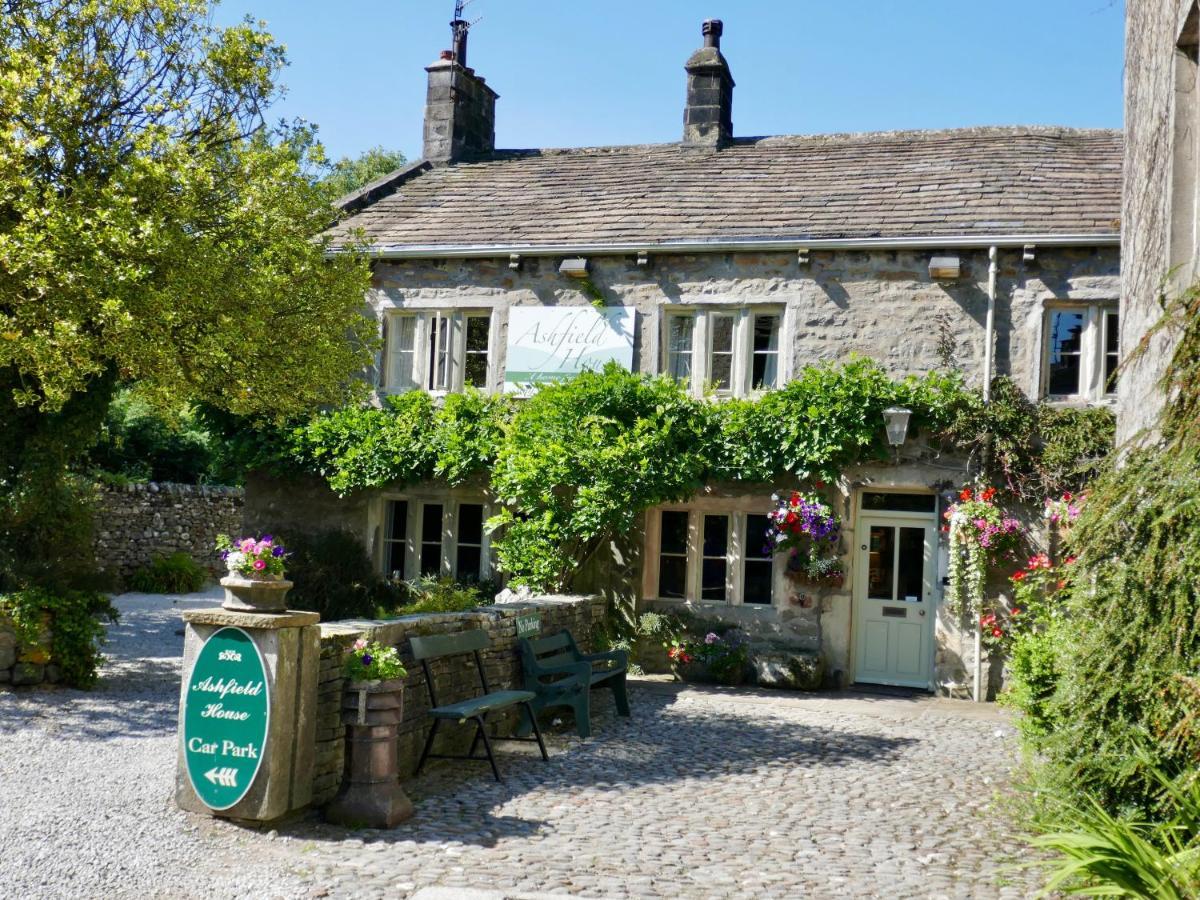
348 174
154 228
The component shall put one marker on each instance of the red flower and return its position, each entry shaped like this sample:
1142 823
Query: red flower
1069 560
965 494
819 485
790 518
1016 611
1067 496
1061 584
996 632
988 494
1018 576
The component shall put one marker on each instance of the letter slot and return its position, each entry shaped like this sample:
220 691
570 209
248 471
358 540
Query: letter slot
895 612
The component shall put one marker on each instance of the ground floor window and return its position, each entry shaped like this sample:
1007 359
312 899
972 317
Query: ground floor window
435 538
710 555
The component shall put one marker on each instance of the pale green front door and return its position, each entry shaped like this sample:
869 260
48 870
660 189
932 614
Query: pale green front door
895 562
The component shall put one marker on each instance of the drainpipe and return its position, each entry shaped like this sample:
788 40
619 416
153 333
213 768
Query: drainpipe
989 339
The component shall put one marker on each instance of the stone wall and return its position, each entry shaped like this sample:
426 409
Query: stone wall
138 522
455 678
25 666
1157 234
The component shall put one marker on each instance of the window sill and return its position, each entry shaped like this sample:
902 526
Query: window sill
1080 402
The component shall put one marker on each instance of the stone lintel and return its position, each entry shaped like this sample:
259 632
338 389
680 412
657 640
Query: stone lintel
292 618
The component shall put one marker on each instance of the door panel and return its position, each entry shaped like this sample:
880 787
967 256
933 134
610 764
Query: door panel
893 600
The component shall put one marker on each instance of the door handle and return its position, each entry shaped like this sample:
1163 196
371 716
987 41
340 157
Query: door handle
922 612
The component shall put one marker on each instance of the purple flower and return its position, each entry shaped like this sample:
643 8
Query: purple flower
367 659
711 638
277 552
266 539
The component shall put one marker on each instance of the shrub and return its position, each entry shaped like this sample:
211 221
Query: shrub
334 576
1035 667
174 574
76 622
430 594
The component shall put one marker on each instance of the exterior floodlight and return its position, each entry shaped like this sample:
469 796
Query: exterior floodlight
575 268
945 267
895 419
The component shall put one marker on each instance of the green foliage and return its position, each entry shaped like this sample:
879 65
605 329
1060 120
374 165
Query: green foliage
334 576
431 594
141 442
1035 668
1034 450
76 621
349 174
582 459
169 239
828 418
174 574
1097 853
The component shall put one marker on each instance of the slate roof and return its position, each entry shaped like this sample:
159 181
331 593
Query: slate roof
976 181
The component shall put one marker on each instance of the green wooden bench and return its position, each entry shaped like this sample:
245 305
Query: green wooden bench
475 709
560 675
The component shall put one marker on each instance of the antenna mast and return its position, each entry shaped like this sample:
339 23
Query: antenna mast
458 32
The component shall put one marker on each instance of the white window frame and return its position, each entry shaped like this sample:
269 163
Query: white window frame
451 502
742 369
736 510
395 380
1092 354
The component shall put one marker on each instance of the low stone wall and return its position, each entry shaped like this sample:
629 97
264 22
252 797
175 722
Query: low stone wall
138 522
455 678
25 666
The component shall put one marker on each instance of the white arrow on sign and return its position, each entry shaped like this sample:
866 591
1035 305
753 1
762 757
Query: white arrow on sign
225 777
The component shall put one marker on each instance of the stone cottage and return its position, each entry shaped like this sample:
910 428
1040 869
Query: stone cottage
731 263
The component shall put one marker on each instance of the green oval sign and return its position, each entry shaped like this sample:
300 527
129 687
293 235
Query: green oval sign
226 711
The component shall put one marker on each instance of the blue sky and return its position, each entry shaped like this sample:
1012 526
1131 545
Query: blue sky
579 73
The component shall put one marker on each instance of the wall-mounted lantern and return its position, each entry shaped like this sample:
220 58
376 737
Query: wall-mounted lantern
895 419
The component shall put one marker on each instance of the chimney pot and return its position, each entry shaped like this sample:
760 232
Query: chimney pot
712 30
447 54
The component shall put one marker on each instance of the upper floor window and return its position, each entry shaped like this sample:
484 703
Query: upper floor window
733 352
710 556
1081 352
438 350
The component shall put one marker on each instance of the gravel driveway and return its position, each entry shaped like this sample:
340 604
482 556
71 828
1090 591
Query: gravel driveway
704 793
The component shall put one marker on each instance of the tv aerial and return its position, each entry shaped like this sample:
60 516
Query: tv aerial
458 31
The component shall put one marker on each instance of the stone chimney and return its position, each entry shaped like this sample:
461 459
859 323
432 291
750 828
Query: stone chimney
460 109
708 116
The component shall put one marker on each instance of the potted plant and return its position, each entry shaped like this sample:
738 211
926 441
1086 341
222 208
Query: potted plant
372 710
806 526
712 659
255 582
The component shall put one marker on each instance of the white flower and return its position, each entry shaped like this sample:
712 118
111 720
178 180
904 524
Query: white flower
235 560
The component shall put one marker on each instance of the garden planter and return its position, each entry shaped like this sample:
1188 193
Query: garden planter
698 673
263 595
371 796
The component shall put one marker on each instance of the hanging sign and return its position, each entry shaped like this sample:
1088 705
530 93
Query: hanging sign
529 625
556 343
226 711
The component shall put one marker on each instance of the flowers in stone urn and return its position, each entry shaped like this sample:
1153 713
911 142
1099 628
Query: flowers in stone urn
258 558
372 661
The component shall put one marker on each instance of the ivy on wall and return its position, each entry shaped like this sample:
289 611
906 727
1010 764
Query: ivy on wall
579 461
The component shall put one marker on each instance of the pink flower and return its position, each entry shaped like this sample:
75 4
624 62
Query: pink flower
247 545
360 644
260 564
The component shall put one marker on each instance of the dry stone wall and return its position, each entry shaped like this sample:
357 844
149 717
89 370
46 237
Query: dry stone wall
135 523
25 666
455 678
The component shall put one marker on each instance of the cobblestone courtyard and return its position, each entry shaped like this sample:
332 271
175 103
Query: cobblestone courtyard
704 793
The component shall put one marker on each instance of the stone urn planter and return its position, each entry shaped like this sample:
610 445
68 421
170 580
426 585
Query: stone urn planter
371 796
259 595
